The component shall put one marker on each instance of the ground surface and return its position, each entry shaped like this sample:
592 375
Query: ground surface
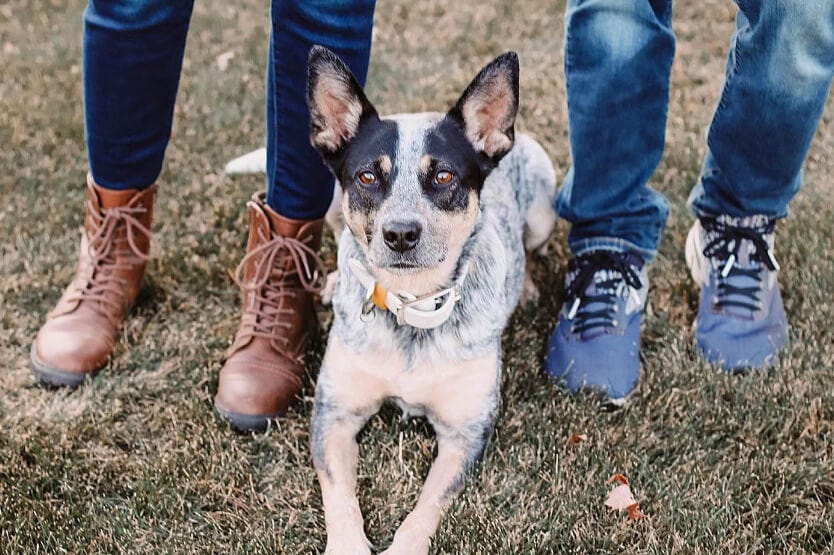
136 462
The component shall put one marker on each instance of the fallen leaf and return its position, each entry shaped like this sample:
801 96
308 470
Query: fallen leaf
634 512
621 499
224 59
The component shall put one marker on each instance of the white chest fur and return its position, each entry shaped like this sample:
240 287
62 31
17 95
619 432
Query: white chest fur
455 388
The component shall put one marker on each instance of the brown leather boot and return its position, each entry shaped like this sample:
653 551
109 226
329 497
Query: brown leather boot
263 374
80 333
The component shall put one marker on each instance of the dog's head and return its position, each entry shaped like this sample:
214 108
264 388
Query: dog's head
411 184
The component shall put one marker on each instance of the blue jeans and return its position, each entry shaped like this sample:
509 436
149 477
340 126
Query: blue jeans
618 58
133 52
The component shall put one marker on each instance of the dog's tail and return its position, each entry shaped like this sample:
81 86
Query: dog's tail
251 162
255 162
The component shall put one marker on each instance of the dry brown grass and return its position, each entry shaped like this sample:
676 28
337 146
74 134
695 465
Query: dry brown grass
136 462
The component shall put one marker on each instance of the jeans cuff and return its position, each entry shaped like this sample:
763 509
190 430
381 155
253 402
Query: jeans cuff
702 205
582 246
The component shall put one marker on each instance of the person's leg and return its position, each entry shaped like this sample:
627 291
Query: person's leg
778 77
133 52
132 56
299 186
618 59
263 375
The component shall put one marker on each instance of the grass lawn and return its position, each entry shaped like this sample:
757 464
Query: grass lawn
135 461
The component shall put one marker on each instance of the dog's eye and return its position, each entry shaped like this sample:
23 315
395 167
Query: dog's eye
443 177
367 177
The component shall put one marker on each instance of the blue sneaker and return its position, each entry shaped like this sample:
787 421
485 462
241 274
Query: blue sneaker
596 344
741 321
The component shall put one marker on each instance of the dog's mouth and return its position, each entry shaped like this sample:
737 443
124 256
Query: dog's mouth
404 264
402 267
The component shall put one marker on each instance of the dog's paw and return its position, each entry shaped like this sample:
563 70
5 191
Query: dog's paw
346 536
529 292
400 548
329 287
410 539
355 546
403 547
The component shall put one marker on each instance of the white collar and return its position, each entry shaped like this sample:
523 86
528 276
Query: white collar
424 312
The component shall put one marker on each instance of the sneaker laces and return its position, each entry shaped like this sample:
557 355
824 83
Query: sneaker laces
104 286
270 283
739 286
589 311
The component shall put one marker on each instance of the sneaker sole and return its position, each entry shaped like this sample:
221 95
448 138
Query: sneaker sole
606 403
55 376
246 422
611 404
692 254
693 261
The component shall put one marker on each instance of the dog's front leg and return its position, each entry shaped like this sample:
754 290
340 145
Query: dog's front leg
335 457
349 390
456 455
462 413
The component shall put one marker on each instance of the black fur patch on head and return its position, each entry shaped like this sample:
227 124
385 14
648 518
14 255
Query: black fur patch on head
376 141
450 150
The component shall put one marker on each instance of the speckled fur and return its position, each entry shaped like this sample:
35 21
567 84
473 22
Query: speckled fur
495 251
452 373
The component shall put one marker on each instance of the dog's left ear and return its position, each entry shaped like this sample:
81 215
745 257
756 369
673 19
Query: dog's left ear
488 107
336 101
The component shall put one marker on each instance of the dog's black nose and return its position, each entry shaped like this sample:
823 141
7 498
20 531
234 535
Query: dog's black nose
402 236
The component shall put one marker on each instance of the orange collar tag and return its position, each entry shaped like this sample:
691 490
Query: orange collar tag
379 297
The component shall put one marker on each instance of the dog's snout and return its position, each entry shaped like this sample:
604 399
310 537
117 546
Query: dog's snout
402 236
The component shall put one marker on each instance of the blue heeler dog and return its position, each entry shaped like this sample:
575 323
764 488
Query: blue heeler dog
439 209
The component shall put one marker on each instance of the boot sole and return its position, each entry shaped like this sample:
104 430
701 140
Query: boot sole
55 376
246 422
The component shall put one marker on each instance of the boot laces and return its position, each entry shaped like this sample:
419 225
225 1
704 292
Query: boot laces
739 286
108 257
598 310
273 281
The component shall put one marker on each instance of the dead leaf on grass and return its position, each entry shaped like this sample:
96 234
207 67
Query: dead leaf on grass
576 439
621 499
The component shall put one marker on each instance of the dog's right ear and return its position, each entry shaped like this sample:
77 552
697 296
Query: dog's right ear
336 101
